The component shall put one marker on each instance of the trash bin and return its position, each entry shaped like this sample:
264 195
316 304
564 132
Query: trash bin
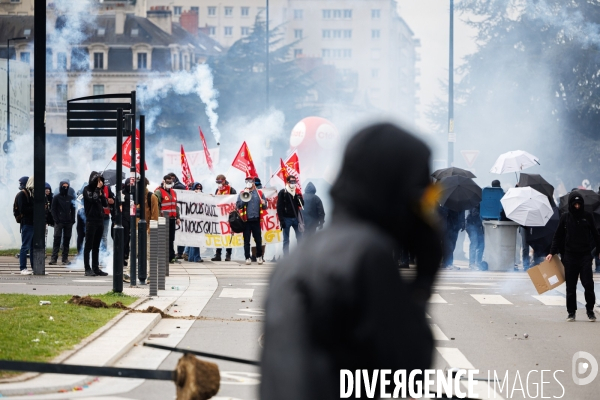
500 245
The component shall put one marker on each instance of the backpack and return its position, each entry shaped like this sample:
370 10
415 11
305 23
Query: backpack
236 222
16 212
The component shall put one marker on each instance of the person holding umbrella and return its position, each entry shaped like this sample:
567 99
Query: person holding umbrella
574 238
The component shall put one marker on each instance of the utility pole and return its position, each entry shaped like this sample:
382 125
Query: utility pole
267 53
451 134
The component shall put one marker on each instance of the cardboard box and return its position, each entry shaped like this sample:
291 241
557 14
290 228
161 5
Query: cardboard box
547 275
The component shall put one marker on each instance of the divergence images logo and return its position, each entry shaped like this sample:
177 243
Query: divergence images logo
580 367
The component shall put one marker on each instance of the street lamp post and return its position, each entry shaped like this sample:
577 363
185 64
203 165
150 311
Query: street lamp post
267 48
8 144
451 134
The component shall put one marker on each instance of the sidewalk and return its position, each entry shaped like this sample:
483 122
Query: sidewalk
188 290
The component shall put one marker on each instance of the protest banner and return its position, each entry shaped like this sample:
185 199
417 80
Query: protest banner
204 220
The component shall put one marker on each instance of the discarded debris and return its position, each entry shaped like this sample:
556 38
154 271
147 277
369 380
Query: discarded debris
35 340
87 301
196 379
526 335
44 303
42 332
51 318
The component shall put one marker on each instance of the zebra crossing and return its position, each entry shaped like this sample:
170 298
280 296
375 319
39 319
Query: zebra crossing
554 298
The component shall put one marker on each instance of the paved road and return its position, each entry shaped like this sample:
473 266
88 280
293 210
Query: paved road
478 318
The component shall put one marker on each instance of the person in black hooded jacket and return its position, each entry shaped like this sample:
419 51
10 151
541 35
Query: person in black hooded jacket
314 214
577 240
63 213
338 301
94 203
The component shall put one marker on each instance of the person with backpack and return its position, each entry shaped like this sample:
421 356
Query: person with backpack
289 206
63 214
314 214
252 213
23 212
223 189
577 240
94 203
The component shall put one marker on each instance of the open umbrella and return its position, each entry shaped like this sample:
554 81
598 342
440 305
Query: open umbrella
591 203
452 171
538 183
540 238
110 177
526 206
459 193
514 161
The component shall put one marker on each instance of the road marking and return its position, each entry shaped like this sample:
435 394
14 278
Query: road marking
448 288
258 284
13 283
436 298
252 310
234 293
551 300
437 333
90 280
240 378
490 299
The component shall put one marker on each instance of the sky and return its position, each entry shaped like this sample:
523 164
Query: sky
429 20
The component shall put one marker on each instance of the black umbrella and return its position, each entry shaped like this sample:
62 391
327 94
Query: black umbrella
591 203
453 171
459 193
110 177
540 238
535 181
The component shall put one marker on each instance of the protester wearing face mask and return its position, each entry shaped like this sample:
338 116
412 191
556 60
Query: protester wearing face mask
194 252
63 213
167 201
94 202
252 212
289 209
23 212
223 189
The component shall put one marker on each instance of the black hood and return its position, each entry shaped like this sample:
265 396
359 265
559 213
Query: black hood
94 176
387 154
576 197
310 188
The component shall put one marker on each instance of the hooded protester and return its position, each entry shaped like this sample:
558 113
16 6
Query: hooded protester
223 189
314 214
577 240
253 258
63 213
109 211
49 196
94 203
252 213
340 303
289 211
23 212
80 220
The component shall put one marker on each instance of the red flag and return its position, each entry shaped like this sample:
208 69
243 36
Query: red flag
243 161
290 167
206 153
186 173
127 152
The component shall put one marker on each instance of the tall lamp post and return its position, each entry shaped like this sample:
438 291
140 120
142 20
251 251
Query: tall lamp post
267 53
451 134
8 145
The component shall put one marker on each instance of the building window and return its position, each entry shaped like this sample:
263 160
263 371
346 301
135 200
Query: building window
245 11
375 34
142 61
326 33
61 93
347 33
298 14
347 53
337 14
177 10
135 32
229 11
212 11
195 10
212 30
347 14
26 32
228 30
245 31
25 56
375 73
98 60
337 33
186 64
325 53
375 54
61 61
297 53
297 33
101 31
326 14
376 14
98 90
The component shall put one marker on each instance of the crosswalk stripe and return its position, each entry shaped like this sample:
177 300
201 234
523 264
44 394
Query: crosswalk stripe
436 298
437 333
551 300
580 295
490 299
235 293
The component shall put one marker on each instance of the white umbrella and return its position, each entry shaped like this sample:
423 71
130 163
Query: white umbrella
527 206
514 161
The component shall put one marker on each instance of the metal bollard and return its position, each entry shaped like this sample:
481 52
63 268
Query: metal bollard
168 221
162 238
153 258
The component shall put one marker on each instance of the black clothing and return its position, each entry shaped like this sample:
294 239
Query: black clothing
94 200
93 236
25 206
252 227
314 214
61 232
285 208
63 209
80 233
172 227
455 222
579 265
47 207
338 302
576 232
